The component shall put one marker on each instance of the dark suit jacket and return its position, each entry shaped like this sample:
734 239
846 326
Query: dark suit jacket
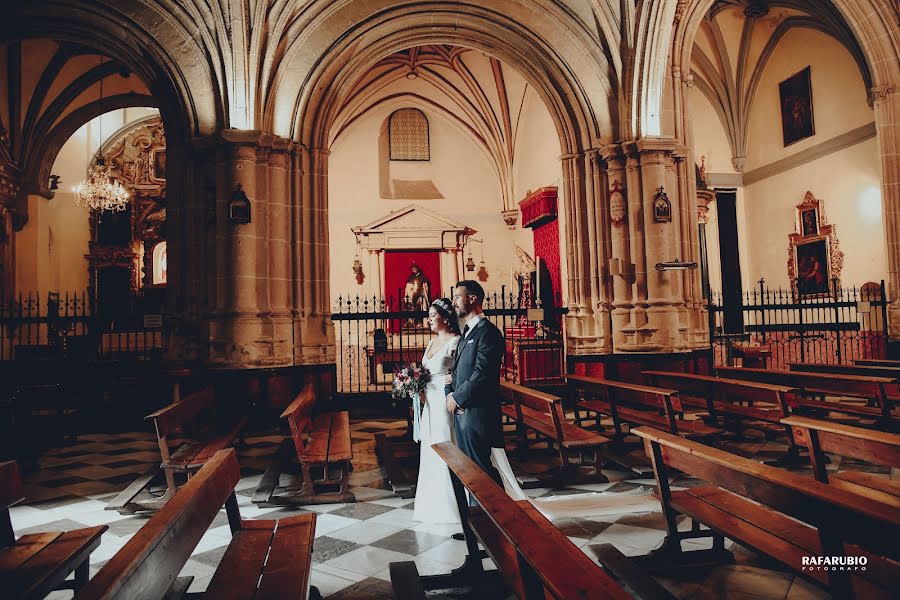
476 382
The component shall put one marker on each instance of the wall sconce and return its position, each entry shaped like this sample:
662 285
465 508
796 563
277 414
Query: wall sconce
54 182
239 207
357 266
470 264
675 265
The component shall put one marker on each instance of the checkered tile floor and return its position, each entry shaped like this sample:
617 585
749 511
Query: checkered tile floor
356 542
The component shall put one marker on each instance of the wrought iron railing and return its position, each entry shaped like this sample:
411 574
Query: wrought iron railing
778 326
374 335
63 326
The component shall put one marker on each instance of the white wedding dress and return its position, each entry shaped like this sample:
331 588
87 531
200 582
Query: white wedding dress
435 501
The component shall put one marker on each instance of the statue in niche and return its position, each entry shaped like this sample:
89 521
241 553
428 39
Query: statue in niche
417 292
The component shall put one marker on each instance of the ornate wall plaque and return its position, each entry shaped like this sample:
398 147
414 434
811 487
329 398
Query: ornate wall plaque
662 207
814 256
616 204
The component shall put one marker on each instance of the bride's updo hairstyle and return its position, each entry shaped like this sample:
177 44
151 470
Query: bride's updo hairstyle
444 308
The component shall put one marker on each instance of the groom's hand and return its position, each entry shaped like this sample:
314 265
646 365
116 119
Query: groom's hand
451 404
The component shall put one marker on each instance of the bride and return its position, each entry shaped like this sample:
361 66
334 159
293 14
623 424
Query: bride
432 423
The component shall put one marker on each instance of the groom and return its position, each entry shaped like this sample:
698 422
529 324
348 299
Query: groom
474 391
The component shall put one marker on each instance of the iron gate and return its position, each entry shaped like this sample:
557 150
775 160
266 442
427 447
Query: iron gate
375 335
780 326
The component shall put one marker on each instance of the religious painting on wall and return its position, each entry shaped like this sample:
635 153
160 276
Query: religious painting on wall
412 279
796 107
812 268
814 256
158 167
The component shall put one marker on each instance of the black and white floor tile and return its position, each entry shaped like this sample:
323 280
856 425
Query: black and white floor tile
355 543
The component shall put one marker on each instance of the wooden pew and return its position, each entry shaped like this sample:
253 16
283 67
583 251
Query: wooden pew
542 413
869 388
321 444
536 559
878 447
893 389
781 514
38 563
877 362
211 431
618 400
265 558
732 399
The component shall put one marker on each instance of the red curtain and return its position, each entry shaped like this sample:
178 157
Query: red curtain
397 269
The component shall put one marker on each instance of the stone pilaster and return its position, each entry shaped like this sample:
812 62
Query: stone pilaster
886 102
314 342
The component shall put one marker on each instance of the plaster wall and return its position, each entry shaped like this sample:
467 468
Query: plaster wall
461 172
846 180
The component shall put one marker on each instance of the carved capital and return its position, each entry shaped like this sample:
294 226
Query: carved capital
879 93
688 80
680 9
738 162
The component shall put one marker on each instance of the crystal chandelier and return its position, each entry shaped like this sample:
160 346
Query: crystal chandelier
100 191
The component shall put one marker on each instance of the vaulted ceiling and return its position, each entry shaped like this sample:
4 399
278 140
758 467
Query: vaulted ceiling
735 43
479 94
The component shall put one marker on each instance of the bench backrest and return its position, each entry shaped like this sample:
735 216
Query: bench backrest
877 362
719 388
665 399
879 447
300 412
564 571
176 415
864 370
536 400
850 385
149 562
840 515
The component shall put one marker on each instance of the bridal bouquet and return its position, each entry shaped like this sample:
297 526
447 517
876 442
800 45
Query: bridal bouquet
410 381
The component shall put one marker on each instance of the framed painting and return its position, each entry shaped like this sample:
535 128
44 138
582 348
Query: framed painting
158 165
809 222
813 277
795 93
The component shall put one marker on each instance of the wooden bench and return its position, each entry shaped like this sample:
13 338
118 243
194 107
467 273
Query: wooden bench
210 429
869 388
321 444
620 400
878 447
730 399
265 558
38 563
542 413
784 515
893 390
877 362
535 558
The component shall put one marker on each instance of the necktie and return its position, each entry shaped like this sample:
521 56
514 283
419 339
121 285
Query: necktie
466 330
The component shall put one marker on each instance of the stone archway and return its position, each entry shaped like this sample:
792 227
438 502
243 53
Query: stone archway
581 114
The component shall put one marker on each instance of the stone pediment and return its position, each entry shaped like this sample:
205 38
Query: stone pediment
412 227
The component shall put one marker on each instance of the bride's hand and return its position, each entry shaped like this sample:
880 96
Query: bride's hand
448 378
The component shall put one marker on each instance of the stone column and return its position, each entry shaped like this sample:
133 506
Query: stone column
279 248
621 268
251 325
313 329
886 102
376 287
